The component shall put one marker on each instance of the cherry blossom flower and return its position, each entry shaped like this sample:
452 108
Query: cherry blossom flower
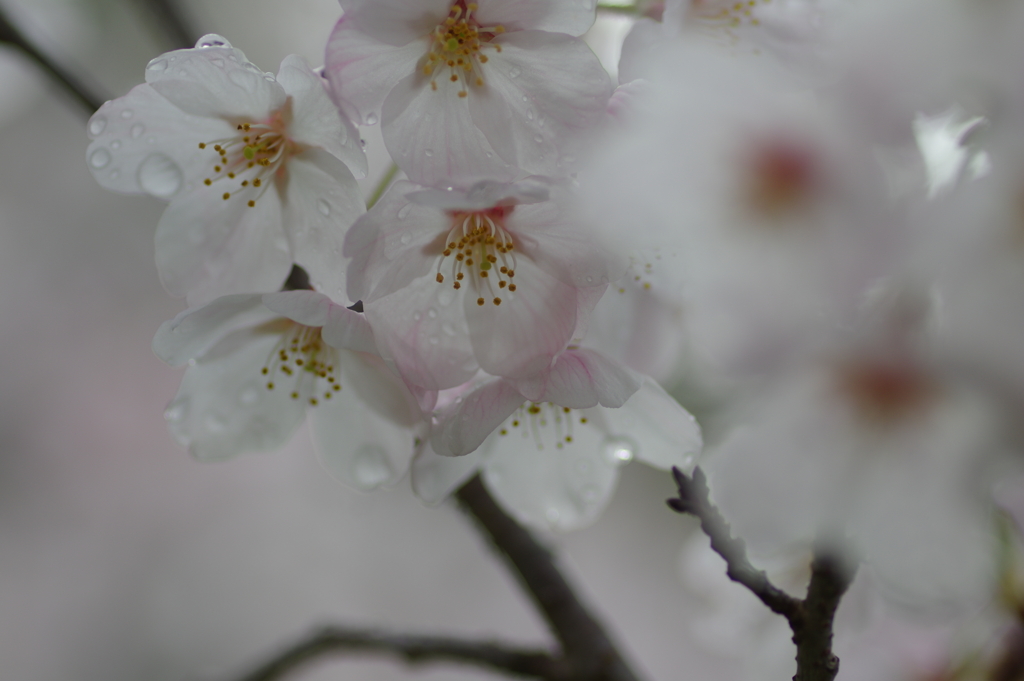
465 91
258 363
550 446
497 277
258 170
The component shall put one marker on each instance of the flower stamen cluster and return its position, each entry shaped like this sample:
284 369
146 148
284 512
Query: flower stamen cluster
477 242
456 45
535 417
302 355
259 147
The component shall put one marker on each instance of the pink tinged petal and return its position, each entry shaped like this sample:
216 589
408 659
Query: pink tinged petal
393 244
547 486
195 330
587 299
397 22
316 121
574 18
207 247
582 378
551 235
557 91
421 328
216 82
362 70
473 417
523 334
346 329
432 136
364 434
434 477
482 195
661 432
144 144
321 200
223 407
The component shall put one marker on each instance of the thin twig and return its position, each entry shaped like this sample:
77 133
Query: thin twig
413 650
810 619
585 644
79 91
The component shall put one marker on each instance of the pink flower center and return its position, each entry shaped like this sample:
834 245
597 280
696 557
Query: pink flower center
251 157
883 393
781 179
534 418
479 246
303 357
455 48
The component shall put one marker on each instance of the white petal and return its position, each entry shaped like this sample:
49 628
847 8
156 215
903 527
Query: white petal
144 144
316 121
223 406
191 333
546 482
664 433
473 417
557 90
216 82
397 22
362 70
582 378
365 444
321 201
434 477
482 195
207 247
432 137
574 18
309 308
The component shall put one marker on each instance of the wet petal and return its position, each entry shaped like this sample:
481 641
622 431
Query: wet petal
664 433
473 417
582 378
434 477
574 18
194 331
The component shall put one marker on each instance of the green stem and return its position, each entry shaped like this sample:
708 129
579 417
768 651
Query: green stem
382 186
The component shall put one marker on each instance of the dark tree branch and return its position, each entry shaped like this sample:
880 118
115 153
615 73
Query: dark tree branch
810 619
168 17
411 649
79 91
586 646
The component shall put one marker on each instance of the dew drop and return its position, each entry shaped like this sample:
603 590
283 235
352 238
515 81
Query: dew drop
159 176
529 114
218 62
213 40
216 423
323 207
416 316
432 313
249 396
590 280
405 238
115 145
525 98
514 72
370 467
428 152
99 158
404 211
114 174
177 410
137 130
97 124
538 139
448 329
489 154
157 65
371 119
618 449
552 515
127 113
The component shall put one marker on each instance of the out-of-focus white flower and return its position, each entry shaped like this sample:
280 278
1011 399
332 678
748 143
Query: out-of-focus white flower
497 277
258 170
256 364
467 91
550 446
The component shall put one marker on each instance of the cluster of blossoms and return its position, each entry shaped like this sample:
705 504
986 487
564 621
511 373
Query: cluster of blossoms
807 212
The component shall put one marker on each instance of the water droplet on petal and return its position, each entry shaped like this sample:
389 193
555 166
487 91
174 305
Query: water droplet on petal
371 467
416 316
428 152
618 449
552 515
538 139
323 207
590 280
249 396
488 154
514 72
127 113
114 174
432 313
216 423
97 124
404 211
529 114
137 130
177 410
448 329
213 40
99 158
157 65
371 119
405 238
116 144
159 176
218 62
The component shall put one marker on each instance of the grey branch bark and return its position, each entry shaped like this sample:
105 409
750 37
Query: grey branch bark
585 644
413 650
810 619
84 94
